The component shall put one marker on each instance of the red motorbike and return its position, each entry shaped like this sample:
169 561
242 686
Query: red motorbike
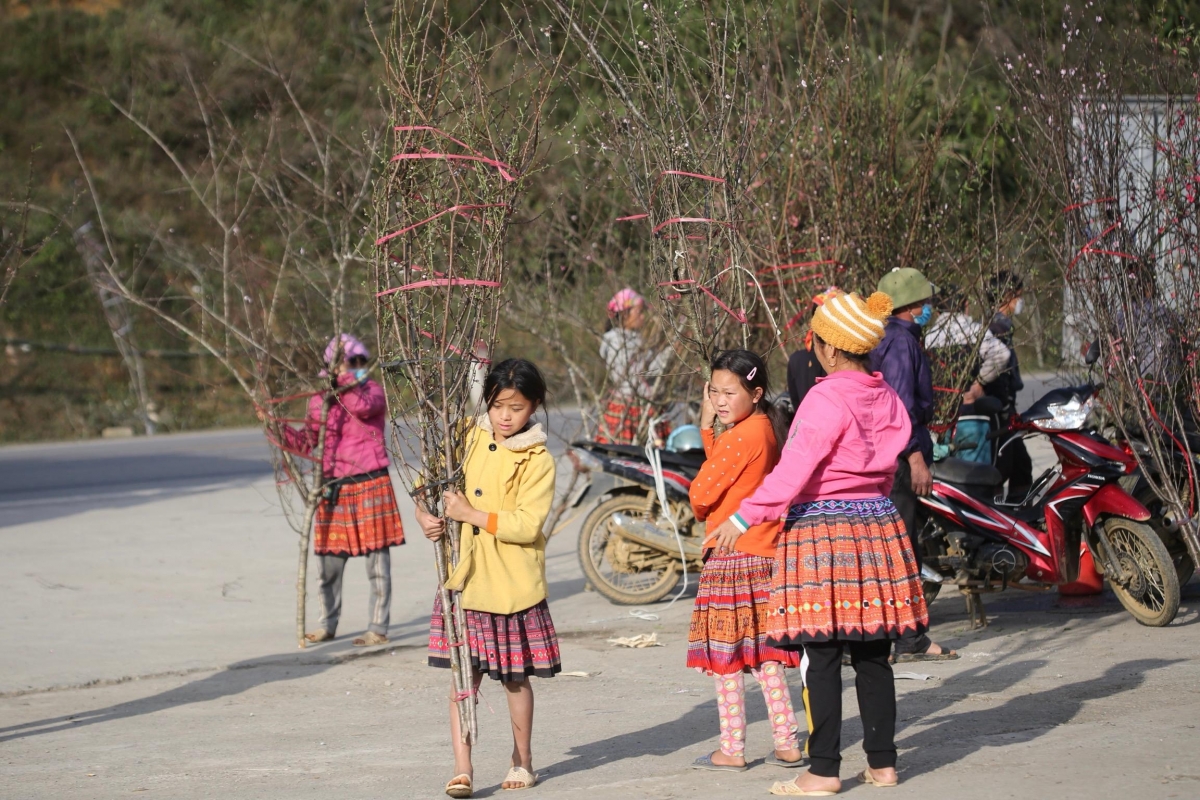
972 538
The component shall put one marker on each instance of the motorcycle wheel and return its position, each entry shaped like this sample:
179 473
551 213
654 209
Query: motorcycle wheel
626 589
1150 592
1185 568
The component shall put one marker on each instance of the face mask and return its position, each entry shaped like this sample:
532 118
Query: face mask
926 314
1019 306
360 375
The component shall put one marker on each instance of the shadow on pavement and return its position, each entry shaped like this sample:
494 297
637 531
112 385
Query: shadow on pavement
696 726
1021 719
234 679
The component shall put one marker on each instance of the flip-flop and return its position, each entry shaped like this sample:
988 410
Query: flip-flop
790 789
459 789
318 636
519 775
705 762
370 639
779 762
866 777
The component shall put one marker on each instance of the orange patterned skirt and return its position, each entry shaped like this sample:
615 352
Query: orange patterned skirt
364 519
728 632
620 422
845 571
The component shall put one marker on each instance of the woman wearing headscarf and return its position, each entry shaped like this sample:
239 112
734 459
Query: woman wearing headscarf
631 368
845 574
357 515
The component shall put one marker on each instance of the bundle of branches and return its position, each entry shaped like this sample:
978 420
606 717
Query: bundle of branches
578 258
684 120
1113 127
770 156
893 166
282 229
464 149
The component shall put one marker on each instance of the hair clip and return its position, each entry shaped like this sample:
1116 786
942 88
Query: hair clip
750 375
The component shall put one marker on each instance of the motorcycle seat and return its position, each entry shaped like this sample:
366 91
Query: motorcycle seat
690 460
967 473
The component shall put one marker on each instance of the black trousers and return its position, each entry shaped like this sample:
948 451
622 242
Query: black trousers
876 688
906 503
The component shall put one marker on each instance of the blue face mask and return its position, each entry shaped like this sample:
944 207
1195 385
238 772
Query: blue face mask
926 314
360 375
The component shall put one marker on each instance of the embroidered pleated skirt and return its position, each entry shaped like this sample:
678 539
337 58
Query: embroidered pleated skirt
845 571
728 631
620 422
364 519
506 647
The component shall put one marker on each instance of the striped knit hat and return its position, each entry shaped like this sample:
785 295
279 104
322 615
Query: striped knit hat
849 323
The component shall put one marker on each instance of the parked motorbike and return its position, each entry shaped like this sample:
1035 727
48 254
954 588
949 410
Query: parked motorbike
1186 471
633 549
976 540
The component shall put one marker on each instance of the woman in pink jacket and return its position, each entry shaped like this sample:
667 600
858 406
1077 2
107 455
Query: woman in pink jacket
358 516
845 573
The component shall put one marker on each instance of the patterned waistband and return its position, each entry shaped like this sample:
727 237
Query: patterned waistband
867 507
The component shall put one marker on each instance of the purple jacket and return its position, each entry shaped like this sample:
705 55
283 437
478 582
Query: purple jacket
354 439
901 358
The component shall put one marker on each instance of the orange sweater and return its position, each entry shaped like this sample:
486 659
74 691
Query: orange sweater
736 464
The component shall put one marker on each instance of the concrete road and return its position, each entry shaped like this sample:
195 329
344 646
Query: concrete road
149 555
149 649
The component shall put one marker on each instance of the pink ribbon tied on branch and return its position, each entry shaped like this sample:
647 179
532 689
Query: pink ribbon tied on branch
506 172
739 315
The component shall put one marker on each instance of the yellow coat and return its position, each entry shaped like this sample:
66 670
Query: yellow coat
505 572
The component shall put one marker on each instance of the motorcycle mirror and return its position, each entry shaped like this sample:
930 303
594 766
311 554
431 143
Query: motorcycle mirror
1093 353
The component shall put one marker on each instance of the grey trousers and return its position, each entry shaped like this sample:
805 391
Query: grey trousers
379 573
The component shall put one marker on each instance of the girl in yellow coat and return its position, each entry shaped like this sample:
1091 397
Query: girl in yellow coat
501 573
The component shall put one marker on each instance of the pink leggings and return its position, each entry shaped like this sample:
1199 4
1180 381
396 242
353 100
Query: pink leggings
731 706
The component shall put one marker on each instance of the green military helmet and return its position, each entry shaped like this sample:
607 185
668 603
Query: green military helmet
906 286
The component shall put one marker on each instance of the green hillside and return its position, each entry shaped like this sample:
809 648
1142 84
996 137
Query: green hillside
67 66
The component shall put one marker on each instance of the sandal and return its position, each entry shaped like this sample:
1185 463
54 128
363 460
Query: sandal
522 776
372 638
866 777
779 762
459 789
705 762
318 636
945 655
792 790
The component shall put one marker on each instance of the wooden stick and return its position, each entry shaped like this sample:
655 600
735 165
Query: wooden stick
457 646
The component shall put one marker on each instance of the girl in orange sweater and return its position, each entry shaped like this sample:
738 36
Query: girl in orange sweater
729 623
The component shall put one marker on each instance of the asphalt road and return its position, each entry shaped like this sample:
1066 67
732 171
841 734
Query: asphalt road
42 481
39 482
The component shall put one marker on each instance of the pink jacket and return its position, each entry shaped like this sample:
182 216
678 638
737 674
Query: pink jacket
354 439
843 445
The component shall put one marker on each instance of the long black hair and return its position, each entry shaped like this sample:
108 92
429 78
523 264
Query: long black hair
751 370
515 373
